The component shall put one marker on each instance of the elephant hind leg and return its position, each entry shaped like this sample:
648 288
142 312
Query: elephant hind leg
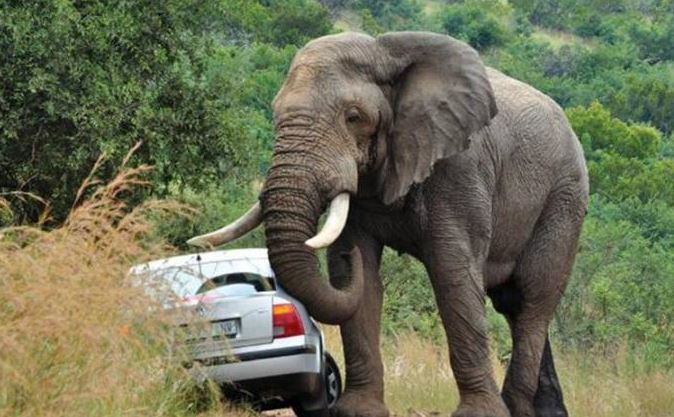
548 400
531 388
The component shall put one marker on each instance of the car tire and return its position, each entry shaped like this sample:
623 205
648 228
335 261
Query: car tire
333 380
332 389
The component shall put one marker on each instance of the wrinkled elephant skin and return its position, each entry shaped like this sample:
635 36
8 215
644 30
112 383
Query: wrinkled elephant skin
477 175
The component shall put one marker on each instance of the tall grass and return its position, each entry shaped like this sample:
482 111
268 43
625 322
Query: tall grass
76 337
419 380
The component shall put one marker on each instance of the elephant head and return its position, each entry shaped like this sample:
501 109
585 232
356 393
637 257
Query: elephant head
358 117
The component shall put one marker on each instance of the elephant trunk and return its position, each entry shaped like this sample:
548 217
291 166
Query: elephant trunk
292 203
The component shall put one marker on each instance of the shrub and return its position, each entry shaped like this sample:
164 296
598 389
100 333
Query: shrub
82 78
409 300
621 291
215 206
474 23
548 13
393 15
599 130
295 22
647 95
654 37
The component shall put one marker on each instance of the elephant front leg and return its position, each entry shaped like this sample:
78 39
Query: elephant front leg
364 390
460 297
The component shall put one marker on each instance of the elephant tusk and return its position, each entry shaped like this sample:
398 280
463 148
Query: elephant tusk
244 224
337 214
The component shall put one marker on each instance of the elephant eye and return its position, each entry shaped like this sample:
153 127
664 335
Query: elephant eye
353 116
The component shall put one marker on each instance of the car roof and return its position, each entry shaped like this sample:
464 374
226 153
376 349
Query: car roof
253 254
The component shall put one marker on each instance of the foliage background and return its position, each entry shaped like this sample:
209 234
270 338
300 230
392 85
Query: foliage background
193 80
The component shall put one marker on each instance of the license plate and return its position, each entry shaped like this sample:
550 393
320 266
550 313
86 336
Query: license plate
225 328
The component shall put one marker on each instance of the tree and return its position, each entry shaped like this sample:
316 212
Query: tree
475 24
647 95
599 131
296 22
83 78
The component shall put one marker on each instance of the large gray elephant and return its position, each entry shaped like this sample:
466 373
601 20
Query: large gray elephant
409 141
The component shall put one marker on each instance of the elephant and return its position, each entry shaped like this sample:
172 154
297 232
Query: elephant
408 140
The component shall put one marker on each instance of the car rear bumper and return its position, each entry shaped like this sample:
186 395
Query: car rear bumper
287 356
259 368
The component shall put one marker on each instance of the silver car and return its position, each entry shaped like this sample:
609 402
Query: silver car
258 342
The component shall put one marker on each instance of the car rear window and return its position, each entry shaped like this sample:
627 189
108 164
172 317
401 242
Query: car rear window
232 277
245 281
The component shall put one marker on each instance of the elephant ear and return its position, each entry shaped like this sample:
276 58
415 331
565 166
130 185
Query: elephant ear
442 95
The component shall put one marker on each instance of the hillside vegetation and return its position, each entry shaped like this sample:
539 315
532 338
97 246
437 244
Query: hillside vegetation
192 82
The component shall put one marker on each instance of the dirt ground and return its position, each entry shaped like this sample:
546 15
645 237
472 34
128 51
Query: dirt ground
283 412
287 412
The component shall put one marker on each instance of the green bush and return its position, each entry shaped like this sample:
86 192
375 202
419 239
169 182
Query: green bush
86 78
215 206
409 302
600 131
475 23
393 14
573 74
295 22
622 290
654 37
548 13
624 159
647 95
82 78
655 219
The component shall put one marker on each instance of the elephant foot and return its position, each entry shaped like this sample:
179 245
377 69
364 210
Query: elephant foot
359 404
482 407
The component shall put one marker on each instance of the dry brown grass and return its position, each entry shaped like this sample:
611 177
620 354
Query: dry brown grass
419 381
76 338
596 386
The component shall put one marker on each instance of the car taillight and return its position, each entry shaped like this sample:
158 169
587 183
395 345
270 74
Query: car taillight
287 321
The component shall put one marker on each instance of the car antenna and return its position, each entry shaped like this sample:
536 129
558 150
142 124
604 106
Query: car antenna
201 275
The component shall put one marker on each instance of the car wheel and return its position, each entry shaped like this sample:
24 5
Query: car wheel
332 390
333 381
